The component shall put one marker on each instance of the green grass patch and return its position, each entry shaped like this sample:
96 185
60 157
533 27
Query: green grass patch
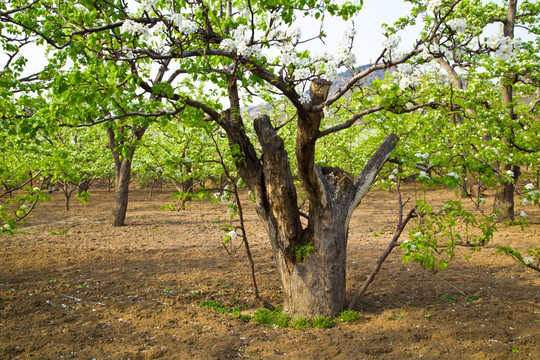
347 316
300 323
222 309
322 322
273 318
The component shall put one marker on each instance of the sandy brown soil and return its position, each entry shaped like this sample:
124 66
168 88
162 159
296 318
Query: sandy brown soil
72 286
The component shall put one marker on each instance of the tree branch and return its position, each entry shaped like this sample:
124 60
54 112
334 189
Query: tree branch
367 176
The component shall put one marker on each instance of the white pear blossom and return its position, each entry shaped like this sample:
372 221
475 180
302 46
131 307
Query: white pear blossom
304 98
523 214
423 175
330 71
146 5
432 5
288 54
185 26
453 174
250 51
294 33
525 202
159 30
528 260
529 186
424 156
458 25
408 76
130 27
510 173
36 188
233 234
227 45
6 227
505 47
392 42
345 56
301 73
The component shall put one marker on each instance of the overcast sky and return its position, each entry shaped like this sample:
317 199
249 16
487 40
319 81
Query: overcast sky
369 39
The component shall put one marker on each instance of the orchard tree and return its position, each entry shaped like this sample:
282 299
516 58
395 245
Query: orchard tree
476 47
73 159
20 96
231 48
213 57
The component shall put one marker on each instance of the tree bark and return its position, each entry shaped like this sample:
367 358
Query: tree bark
121 192
503 204
313 284
122 167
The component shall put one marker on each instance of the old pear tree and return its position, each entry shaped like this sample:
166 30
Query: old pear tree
127 65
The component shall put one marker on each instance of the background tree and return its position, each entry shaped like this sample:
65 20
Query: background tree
475 47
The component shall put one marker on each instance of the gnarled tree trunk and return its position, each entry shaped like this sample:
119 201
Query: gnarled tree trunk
311 259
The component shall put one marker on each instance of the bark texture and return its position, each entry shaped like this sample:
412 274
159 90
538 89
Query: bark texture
122 167
311 258
503 205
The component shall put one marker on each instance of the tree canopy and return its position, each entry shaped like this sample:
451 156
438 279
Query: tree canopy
461 103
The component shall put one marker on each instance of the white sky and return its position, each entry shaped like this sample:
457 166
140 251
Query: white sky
369 38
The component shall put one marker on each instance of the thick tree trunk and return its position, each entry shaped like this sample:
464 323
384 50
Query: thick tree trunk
315 285
121 191
311 259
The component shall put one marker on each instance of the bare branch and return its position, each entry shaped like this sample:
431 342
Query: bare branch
402 223
362 75
22 185
125 115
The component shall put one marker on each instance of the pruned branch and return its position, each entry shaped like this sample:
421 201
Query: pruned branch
367 176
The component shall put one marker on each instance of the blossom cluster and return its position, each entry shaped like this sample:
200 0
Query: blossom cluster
239 43
304 98
505 47
408 76
185 26
432 5
345 56
146 5
391 43
458 25
453 175
133 28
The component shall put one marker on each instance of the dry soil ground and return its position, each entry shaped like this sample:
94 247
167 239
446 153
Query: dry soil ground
72 286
